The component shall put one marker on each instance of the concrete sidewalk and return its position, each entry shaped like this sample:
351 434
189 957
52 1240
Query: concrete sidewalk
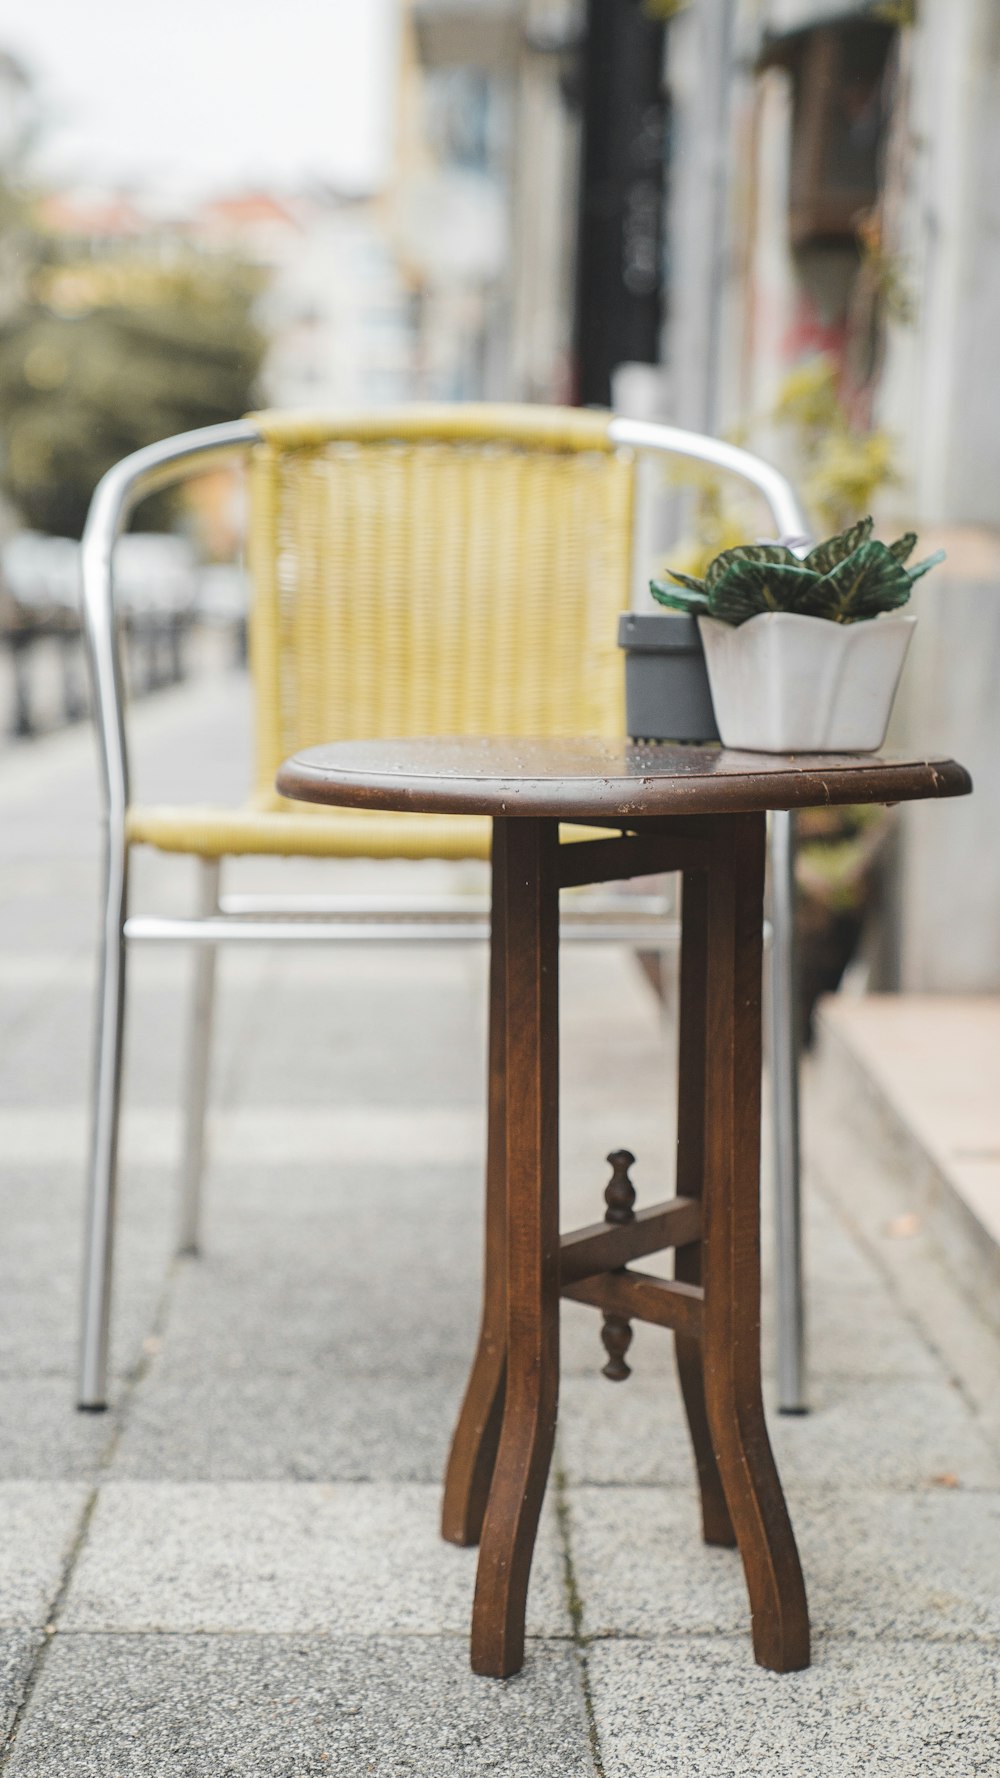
237 1570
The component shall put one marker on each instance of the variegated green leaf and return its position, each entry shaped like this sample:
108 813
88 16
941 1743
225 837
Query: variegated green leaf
926 565
836 549
869 581
692 598
904 546
748 588
748 552
688 580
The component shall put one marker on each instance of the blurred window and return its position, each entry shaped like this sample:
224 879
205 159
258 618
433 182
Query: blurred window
464 117
839 115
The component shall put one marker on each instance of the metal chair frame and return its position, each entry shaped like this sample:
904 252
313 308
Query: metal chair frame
272 919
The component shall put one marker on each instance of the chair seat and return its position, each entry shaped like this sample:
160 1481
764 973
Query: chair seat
304 832
301 830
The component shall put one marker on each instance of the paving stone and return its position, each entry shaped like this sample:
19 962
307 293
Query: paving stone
18 1649
906 1565
49 1064
358 1194
49 1061
50 906
351 1267
641 1569
344 1268
27 988
374 1042
303 1369
38 1524
362 1559
888 1710
255 1136
44 1436
291 1707
856 1331
41 1259
884 1433
831 1255
309 1422
327 970
632 1432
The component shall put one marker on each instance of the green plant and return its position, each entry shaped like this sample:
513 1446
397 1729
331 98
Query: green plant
845 579
895 12
885 271
840 469
102 352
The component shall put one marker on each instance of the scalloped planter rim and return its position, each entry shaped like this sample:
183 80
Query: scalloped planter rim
783 683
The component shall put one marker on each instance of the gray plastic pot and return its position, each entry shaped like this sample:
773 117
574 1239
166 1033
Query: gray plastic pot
667 695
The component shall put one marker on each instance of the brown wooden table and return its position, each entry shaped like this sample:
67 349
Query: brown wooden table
699 811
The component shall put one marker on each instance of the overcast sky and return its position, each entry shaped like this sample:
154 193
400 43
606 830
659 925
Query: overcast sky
210 93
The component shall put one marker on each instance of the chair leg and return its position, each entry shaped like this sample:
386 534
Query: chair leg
731 1248
784 1050
102 1187
197 1063
474 1445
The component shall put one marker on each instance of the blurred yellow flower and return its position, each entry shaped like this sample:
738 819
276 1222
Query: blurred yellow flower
45 367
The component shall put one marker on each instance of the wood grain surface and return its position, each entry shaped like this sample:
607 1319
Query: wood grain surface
575 778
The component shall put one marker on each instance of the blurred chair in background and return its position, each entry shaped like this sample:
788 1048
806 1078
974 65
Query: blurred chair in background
427 570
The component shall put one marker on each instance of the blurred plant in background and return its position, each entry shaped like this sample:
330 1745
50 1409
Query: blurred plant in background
103 352
840 467
839 868
718 520
902 13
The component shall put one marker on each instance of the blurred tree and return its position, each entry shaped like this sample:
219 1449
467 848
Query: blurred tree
106 349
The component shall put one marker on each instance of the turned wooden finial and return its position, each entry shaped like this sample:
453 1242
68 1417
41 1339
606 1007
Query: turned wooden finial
620 1192
617 1337
619 1196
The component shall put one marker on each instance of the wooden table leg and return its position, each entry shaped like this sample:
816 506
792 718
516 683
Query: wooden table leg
731 1246
474 1445
532 1150
692 1056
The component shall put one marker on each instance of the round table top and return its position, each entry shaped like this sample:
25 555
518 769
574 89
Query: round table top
577 778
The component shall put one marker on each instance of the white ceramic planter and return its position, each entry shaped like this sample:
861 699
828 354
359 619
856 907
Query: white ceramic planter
782 683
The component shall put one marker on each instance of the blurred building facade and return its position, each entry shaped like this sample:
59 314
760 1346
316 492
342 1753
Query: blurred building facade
488 191
570 216
835 239
335 307
825 283
778 218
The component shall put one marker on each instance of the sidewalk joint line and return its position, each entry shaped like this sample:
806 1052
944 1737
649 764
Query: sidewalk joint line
930 1255
574 1603
50 1630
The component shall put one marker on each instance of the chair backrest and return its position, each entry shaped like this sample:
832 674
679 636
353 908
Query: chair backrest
436 570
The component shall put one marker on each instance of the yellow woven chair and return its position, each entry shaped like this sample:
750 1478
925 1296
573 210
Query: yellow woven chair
428 570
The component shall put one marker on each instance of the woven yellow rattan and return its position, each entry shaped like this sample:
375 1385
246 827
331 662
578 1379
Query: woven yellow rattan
431 570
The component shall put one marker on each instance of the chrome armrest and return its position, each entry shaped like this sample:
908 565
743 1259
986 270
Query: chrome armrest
115 497
782 500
